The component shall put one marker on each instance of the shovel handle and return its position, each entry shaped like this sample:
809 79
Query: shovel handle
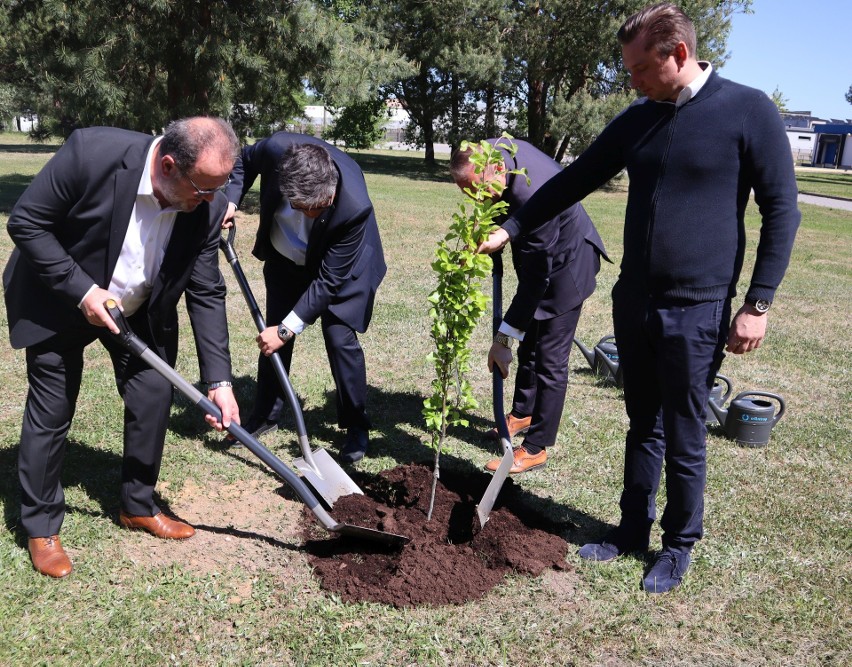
226 244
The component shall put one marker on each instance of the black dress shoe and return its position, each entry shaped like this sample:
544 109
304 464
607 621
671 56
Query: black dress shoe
355 446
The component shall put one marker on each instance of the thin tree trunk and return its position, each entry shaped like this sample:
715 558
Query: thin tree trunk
490 113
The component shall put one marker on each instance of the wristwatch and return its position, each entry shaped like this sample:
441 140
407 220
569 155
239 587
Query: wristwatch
504 340
217 385
284 333
760 305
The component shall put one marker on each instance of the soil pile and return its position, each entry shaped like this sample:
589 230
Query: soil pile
446 561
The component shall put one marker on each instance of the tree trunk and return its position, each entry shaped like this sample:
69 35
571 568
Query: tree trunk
560 154
429 141
490 113
535 119
454 138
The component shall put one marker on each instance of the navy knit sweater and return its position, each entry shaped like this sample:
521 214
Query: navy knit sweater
691 170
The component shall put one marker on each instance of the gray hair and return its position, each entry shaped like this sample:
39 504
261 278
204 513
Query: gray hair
188 138
308 176
460 163
664 25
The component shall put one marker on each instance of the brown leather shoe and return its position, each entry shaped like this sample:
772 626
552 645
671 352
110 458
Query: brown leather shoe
49 557
158 525
516 425
524 461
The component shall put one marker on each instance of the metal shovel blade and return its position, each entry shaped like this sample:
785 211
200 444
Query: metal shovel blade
371 534
483 509
326 476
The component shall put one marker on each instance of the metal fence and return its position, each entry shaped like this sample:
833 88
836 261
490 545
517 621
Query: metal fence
802 157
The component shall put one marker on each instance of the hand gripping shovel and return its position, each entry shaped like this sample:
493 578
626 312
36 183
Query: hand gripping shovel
138 348
322 471
483 509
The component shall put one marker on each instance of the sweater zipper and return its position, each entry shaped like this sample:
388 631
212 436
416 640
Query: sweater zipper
650 231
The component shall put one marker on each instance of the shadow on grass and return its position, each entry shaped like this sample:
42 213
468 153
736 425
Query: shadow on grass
28 148
94 470
408 166
832 179
250 204
98 473
396 416
12 186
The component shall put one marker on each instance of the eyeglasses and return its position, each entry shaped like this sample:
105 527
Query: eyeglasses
203 192
308 209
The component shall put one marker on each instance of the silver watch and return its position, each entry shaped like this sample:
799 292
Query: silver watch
284 333
504 340
760 305
218 385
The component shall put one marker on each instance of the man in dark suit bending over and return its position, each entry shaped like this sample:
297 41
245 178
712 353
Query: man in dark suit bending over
556 265
121 215
323 259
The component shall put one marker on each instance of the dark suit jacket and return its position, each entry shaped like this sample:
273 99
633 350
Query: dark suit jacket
556 262
68 228
344 256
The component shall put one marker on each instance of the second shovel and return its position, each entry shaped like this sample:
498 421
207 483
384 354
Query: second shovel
323 472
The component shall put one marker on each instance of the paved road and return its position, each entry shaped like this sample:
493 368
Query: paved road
831 202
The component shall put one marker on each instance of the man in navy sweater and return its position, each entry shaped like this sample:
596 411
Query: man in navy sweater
694 147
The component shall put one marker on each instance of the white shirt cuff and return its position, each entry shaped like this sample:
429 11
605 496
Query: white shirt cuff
88 292
294 323
511 331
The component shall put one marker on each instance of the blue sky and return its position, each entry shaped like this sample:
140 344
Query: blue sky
804 48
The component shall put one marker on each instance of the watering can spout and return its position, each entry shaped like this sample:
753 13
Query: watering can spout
720 412
589 354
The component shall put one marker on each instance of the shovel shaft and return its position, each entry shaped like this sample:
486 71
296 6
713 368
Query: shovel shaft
486 503
496 320
138 347
226 244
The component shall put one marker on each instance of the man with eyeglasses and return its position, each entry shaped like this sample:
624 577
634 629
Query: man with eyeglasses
323 259
135 218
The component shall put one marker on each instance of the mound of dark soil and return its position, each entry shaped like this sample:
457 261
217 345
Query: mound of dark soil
447 561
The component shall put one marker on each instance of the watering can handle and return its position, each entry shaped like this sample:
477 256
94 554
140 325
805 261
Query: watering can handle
729 388
606 339
781 403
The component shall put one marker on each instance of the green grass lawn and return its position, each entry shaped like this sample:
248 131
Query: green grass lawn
825 182
770 582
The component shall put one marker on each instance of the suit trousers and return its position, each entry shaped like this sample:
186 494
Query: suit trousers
541 380
670 351
54 371
286 281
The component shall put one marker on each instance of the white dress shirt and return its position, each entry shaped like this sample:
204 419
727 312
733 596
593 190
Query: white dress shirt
144 245
289 236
